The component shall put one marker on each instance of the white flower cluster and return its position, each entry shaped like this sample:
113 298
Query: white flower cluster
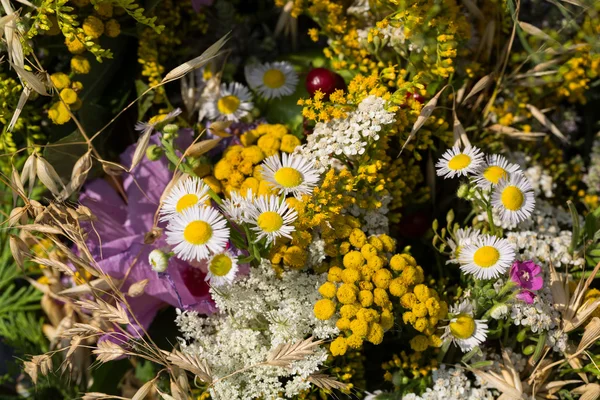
540 180
541 316
375 222
452 383
257 313
348 137
545 248
592 177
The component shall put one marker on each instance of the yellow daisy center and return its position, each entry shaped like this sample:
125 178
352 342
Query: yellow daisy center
462 327
288 177
197 232
270 221
220 265
228 104
512 198
274 78
494 173
486 256
459 161
186 201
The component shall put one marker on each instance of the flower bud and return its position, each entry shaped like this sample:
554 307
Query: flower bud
499 311
154 152
159 261
522 335
529 350
463 191
170 129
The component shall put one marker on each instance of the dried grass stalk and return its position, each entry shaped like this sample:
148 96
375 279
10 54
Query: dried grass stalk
108 351
191 363
286 353
115 314
326 382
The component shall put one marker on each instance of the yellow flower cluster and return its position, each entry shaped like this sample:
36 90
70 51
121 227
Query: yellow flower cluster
415 364
69 99
239 170
358 291
424 310
577 73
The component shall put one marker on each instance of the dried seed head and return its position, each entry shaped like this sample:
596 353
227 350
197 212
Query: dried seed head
19 249
17 215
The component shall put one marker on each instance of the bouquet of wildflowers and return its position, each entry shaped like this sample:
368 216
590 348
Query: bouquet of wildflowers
300 199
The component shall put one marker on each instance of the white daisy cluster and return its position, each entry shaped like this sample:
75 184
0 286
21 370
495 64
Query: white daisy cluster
499 182
453 383
258 312
199 232
592 177
349 137
228 102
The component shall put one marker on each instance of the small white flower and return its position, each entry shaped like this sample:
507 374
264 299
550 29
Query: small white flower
455 162
222 269
514 199
232 103
191 192
197 232
462 237
272 80
271 218
291 174
487 257
464 330
159 261
493 170
236 206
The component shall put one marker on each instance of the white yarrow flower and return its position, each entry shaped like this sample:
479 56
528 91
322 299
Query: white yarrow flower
487 257
272 80
197 233
456 162
293 173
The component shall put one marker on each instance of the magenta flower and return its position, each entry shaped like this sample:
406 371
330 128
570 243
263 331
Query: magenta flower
527 276
116 239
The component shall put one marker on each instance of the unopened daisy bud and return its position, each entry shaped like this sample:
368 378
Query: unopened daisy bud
529 350
170 129
154 152
463 191
499 311
159 261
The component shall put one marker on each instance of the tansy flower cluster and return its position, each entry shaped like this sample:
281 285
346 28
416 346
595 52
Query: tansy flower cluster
69 99
413 365
239 170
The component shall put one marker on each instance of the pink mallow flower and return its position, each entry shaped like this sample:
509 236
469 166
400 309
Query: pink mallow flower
528 276
116 239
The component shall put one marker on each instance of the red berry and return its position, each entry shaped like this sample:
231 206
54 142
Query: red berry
324 80
416 96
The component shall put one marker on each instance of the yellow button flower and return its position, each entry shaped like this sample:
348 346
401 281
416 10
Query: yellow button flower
324 309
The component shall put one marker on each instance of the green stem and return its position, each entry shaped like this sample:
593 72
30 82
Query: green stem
491 220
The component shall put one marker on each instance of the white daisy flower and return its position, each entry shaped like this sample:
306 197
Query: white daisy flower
197 232
222 269
271 218
236 205
455 162
272 80
486 257
186 193
462 237
464 330
514 199
231 103
291 174
493 170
